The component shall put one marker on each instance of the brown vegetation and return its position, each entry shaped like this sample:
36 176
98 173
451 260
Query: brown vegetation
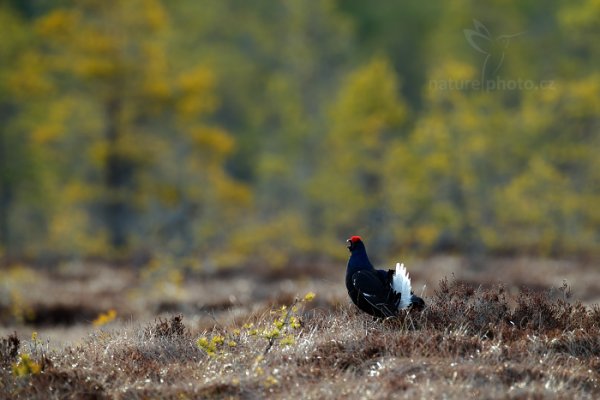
468 342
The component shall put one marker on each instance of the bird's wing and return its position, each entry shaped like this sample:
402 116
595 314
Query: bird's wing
374 291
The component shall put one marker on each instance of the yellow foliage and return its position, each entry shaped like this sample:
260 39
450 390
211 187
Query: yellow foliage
210 347
270 381
105 318
215 141
580 15
288 340
310 296
93 68
163 275
304 144
29 79
68 228
218 340
368 105
100 44
20 310
271 165
44 134
98 153
427 234
75 192
25 366
168 194
54 127
196 89
58 23
534 206
232 195
154 14
14 286
275 239
454 70
157 88
272 333
156 82
582 98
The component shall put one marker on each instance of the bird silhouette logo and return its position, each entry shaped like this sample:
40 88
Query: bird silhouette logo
494 48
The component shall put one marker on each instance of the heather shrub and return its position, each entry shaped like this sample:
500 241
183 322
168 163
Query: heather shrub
469 339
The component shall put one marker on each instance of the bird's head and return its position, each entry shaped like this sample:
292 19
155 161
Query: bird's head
353 242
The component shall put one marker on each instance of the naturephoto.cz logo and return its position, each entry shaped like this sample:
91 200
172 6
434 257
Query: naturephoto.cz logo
494 50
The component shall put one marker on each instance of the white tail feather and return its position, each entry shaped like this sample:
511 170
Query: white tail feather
401 284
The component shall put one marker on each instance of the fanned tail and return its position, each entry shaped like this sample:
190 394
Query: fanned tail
401 284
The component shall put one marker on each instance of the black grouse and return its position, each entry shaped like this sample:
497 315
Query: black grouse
377 292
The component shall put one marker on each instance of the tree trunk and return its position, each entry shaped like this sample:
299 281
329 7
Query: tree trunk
118 180
6 187
5 197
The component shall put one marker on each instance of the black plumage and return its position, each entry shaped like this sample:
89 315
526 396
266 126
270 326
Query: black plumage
370 289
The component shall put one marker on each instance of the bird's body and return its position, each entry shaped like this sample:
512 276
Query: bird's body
375 291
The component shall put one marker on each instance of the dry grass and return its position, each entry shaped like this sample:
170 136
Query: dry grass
469 342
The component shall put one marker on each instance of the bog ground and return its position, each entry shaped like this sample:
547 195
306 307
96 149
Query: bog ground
506 329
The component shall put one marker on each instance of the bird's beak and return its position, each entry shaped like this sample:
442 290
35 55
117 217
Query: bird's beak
349 244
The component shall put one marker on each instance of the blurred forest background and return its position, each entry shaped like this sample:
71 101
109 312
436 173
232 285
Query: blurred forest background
239 132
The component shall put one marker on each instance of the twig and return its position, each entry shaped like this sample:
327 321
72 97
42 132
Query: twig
285 321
